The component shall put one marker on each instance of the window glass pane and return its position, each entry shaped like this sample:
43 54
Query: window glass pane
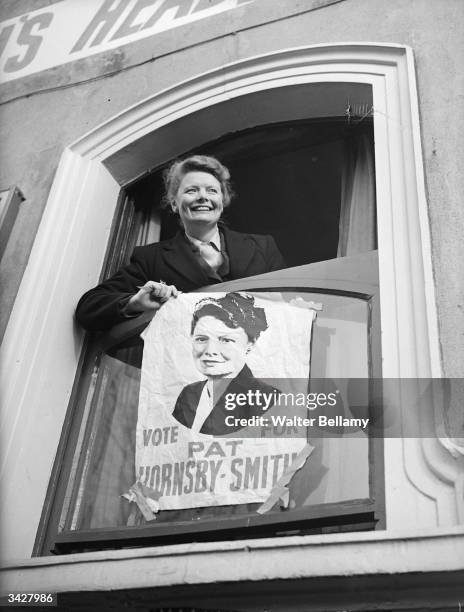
336 471
339 467
104 461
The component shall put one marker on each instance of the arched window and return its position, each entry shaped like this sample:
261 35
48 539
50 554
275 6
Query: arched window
299 85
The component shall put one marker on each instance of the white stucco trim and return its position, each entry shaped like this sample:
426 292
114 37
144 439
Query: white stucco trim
41 348
345 555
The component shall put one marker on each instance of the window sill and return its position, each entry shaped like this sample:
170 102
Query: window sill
343 556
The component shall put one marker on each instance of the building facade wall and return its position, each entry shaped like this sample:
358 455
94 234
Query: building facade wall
65 102
46 112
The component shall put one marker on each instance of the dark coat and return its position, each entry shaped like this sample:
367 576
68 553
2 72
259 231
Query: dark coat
215 424
173 262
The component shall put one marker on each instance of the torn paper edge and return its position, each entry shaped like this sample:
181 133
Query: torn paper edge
280 491
299 302
145 498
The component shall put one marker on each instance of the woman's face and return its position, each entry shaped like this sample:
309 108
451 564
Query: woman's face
219 350
199 200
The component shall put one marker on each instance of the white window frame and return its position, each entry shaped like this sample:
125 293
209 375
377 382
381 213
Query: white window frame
41 348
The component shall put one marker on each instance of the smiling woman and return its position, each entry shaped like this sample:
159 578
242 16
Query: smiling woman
203 252
199 203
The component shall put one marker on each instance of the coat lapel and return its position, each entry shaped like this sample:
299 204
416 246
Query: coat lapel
186 406
179 258
215 423
240 250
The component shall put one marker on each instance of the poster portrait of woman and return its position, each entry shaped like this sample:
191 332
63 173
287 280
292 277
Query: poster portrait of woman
223 332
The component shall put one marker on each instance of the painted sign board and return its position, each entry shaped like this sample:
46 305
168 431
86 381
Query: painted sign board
74 29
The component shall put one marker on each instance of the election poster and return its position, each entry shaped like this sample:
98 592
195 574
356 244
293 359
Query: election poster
211 428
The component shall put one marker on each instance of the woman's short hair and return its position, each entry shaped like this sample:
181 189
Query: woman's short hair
196 163
234 310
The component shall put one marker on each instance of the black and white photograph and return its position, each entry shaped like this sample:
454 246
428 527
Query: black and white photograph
232 305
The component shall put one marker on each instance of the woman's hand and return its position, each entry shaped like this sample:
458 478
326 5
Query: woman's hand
150 297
